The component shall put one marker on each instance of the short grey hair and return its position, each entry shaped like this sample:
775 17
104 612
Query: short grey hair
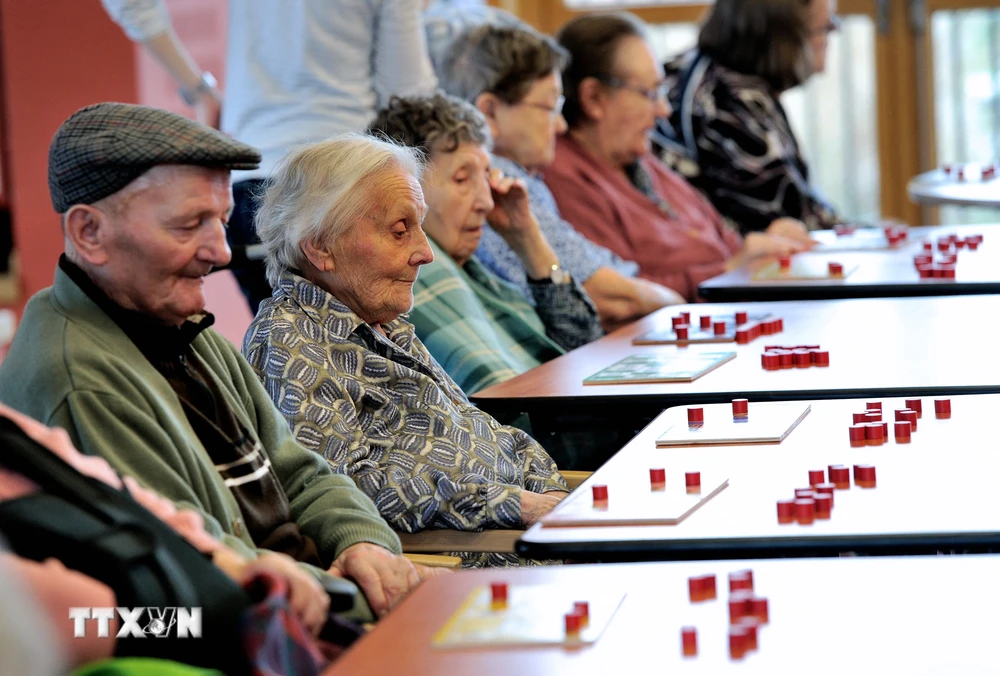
319 190
501 60
438 123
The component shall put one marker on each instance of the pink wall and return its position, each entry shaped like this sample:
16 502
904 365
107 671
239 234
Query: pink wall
65 57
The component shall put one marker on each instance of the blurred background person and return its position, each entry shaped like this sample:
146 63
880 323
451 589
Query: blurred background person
727 132
610 186
296 71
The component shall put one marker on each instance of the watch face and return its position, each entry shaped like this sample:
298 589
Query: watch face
560 276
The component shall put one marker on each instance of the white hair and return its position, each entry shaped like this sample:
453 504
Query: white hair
314 195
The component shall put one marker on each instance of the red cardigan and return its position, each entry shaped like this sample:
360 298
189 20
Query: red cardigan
678 251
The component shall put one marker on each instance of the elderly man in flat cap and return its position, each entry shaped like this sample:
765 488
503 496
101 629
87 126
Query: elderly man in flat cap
119 351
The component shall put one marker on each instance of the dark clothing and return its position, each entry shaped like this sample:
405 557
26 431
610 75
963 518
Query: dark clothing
242 234
728 135
236 455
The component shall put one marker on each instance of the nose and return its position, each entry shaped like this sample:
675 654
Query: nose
662 107
215 249
422 255
484 196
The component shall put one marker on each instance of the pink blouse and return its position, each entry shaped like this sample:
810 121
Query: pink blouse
679 249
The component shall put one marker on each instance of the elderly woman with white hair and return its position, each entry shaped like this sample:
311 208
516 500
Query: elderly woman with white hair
341 224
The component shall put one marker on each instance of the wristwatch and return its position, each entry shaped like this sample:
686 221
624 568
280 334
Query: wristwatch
206 85
557 275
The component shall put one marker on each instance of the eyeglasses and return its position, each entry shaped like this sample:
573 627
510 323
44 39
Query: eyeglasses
831 26
554 111
657 93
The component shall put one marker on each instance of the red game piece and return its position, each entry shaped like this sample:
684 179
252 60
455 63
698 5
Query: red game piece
860 418
771 361
959 243
737 642
692 480
786 359
909 416
902 428
784 263
739 605
925 271
922 259
942 408
741 408
840 476
864 476
657 479
677 321
873 405
816 476
803 493
858 435
705 321
687 318
928 245
827 488
972 244
743 336
741 580
915 405
805 511
719 328
582 608
689 641
873 416
758 608
801 359
696 416
948 271
681 331
874 434
786 511
573 624
498 594
741 318
701 588
600 495
750 624
824 505
820 357
835 269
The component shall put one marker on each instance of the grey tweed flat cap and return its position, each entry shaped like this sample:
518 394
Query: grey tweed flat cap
102 148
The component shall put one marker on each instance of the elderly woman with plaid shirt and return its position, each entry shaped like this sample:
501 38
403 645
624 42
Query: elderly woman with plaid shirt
342 228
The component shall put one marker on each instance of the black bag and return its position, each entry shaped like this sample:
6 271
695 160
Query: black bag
103 533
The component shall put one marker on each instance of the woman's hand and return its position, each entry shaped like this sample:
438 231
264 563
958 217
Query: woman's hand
793 229
536 505
758 245
511 216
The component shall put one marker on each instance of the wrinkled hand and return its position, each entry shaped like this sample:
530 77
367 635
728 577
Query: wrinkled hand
306 596
536 505
758 245
384 577
793 229
511 215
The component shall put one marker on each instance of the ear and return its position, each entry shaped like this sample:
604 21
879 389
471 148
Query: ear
87 230
488 104
592 94
318 256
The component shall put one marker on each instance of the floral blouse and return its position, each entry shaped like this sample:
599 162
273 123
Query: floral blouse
381 410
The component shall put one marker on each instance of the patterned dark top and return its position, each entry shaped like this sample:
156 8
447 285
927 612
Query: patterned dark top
382 411
729 136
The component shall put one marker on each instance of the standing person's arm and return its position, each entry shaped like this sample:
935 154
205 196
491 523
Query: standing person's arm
402 63
148 22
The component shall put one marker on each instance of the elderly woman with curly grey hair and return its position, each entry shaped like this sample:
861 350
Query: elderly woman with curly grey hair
482 329
341 226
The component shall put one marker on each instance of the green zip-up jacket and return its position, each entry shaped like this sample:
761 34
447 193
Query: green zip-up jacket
71 366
